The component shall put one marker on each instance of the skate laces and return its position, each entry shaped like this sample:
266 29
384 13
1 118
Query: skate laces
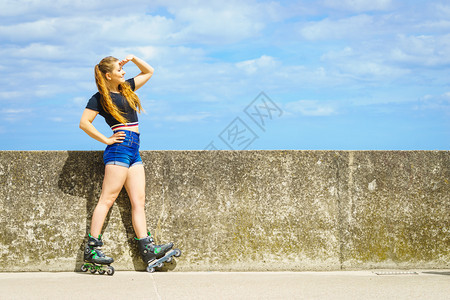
99 252
149 244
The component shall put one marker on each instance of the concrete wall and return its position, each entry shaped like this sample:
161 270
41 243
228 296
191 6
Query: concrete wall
235 210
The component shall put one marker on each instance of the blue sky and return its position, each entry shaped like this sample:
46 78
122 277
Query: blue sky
343 75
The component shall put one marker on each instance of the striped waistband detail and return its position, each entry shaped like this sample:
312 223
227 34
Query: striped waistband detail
119 126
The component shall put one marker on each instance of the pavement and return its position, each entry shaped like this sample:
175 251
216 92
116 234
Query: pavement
387 284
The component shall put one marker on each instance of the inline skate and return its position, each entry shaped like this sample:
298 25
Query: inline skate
94 259
156 255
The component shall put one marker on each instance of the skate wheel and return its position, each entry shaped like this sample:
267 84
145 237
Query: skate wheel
101 272
150 269
169 259
93 271
177 253
110 271
84 268
160 265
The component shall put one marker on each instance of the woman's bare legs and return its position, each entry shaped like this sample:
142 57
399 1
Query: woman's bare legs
115 177
135 186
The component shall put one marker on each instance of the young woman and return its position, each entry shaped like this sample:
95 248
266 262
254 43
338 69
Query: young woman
118 104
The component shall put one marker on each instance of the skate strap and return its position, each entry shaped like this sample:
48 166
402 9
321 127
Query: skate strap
149 238
95 242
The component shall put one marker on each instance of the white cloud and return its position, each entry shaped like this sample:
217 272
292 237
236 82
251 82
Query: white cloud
164 55
435 102
363 64
381 61
37 51
10 95
218 22
351 27
14 114
310 108
38 30
57 119
84 31
442 10
34 9
187 118
359 5
263 63
422 50
79 101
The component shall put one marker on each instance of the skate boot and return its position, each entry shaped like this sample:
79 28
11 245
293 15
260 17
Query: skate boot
94 258
155 255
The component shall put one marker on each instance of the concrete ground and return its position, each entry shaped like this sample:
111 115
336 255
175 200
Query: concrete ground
419 284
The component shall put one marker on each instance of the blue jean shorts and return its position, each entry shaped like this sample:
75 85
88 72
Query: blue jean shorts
124 154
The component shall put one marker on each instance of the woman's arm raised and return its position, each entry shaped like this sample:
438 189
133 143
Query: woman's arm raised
146 70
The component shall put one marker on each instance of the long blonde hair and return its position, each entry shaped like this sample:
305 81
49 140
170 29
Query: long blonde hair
106 65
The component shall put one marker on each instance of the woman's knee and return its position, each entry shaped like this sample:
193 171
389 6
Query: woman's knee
138 203
107 200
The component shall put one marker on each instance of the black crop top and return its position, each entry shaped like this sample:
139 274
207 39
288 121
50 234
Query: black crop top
121 103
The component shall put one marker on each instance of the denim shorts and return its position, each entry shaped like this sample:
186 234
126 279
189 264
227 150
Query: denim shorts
124 154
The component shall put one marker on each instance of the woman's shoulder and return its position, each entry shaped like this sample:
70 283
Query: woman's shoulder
96 96
94 102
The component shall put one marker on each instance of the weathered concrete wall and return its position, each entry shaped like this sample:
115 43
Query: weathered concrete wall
235 210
